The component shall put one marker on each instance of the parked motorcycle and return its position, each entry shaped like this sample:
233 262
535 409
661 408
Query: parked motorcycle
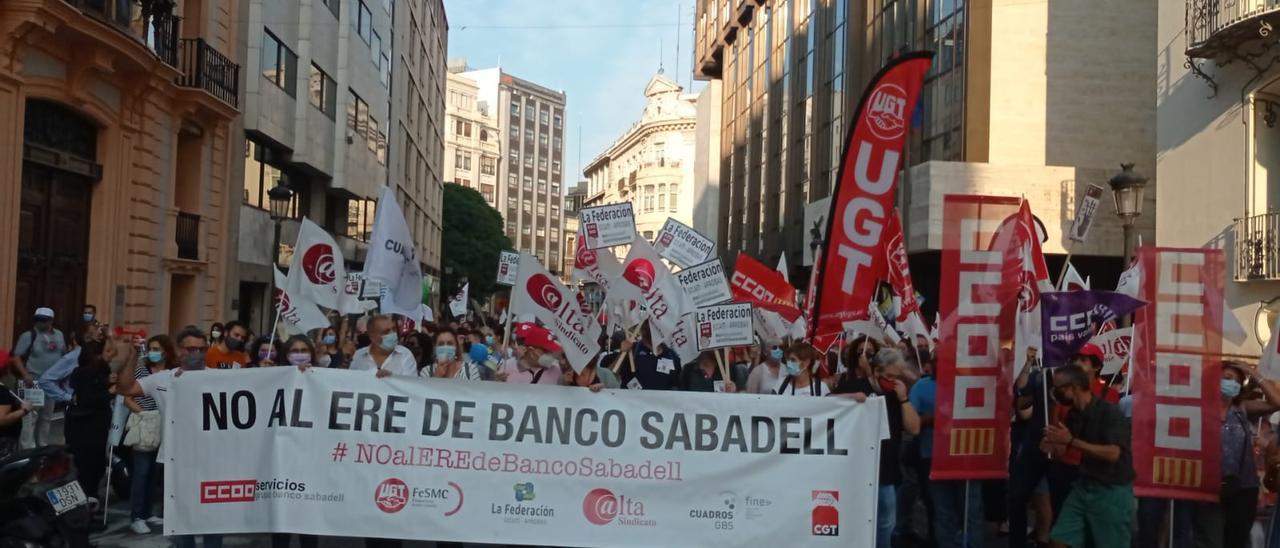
41 503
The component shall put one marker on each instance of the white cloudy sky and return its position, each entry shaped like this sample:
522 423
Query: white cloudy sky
600 52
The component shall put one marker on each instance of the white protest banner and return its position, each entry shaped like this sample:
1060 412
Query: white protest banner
541 295
644 272
1115 345
508 264
723 325
608 225
298 314
1085 213
458 304
342 453
705 284
393 259
683 245
320 260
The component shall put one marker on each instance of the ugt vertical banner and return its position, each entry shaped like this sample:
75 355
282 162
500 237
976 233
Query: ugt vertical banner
977 305
852 262
1177 364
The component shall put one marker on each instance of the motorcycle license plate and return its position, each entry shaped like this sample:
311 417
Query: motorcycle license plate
66 497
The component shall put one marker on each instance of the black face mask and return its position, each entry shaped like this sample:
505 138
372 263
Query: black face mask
1061 397
234 344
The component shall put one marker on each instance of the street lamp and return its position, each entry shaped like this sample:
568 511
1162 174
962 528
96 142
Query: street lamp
280 198
1129 189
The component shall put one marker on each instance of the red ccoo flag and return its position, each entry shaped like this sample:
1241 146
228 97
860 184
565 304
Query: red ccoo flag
852 261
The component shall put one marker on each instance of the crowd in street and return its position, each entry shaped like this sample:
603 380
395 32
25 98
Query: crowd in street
1070 471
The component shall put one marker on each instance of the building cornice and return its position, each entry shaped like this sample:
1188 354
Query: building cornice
637 133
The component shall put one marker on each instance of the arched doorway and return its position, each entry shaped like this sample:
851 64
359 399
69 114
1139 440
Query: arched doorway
59 170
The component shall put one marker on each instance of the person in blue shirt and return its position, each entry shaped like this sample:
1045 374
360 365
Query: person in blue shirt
944 500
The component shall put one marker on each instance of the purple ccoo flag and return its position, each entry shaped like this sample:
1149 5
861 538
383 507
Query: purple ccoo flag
1070 318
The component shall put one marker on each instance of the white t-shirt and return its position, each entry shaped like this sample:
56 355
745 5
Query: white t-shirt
156 386
815 385
399 362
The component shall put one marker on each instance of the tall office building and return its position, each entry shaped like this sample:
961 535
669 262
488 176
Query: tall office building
317 116
1011 107
118 132
473 143
531 121
417 162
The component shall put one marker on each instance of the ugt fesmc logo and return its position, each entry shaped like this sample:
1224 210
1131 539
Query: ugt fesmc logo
886 112
212 492
826 517
391 495
317 263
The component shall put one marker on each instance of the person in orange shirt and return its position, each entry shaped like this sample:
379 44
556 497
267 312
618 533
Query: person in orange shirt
229 352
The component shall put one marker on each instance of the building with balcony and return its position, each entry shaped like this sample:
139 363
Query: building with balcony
1218 171
419 51
473 143
530 194
651 164
117 138
318 113
573 201
1018 103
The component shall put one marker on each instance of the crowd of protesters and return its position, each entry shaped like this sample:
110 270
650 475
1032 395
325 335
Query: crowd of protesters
1070 471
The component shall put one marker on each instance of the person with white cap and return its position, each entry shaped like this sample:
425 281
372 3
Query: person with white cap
36 351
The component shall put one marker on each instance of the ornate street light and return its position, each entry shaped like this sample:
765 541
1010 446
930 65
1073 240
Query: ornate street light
280 198
1129 190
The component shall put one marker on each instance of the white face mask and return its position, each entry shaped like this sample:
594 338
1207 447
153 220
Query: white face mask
324 360
547 360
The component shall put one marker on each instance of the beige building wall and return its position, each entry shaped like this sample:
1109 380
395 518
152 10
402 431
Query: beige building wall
473 149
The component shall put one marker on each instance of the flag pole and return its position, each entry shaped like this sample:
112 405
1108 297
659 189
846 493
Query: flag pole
965 527
1062 276
271 343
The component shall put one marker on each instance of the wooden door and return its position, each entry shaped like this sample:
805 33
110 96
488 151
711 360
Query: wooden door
53 245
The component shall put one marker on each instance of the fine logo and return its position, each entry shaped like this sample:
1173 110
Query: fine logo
886 112
317 263
391 496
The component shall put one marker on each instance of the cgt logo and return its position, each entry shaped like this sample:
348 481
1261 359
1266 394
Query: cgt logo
886 112
317 263
212 492
826 517
391 495
543 291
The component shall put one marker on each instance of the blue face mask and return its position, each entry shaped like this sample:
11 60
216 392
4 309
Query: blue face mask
776 354
1230 388
793 367
155 357
389 341
330 339
479 353
88 318
445 353
488 339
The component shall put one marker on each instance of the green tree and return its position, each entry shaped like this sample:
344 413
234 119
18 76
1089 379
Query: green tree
473 236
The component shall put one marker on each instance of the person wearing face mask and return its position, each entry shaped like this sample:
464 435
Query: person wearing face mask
143 434
55 382
35 352
384 355
1098 508
330 355
652 366
192 349
265 352
1228 522
703 375
88 417
802 366
229 353
856 358
534 360
449 362
885 380
766 376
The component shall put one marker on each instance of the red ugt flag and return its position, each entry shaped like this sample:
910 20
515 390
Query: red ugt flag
852 261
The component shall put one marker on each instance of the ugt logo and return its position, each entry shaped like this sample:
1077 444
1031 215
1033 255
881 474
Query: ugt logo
886 112
391 495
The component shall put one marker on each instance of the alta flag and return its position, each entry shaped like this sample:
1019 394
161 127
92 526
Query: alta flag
298 314
853 260
899 270
1070 318
539 294
763 287
324 276
594 265
392 259
1177 365
1269 363
977 301
665 303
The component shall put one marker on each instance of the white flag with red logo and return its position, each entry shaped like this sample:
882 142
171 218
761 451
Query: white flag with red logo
1269 363
319 258
541 295
644 272
393 259
1130 281
899 271
1071 281
298 313
1018 239
594 265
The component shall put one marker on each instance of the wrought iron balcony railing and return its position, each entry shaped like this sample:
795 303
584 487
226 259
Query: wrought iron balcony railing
204 67
1257 242
158 31
187 236
1218 26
